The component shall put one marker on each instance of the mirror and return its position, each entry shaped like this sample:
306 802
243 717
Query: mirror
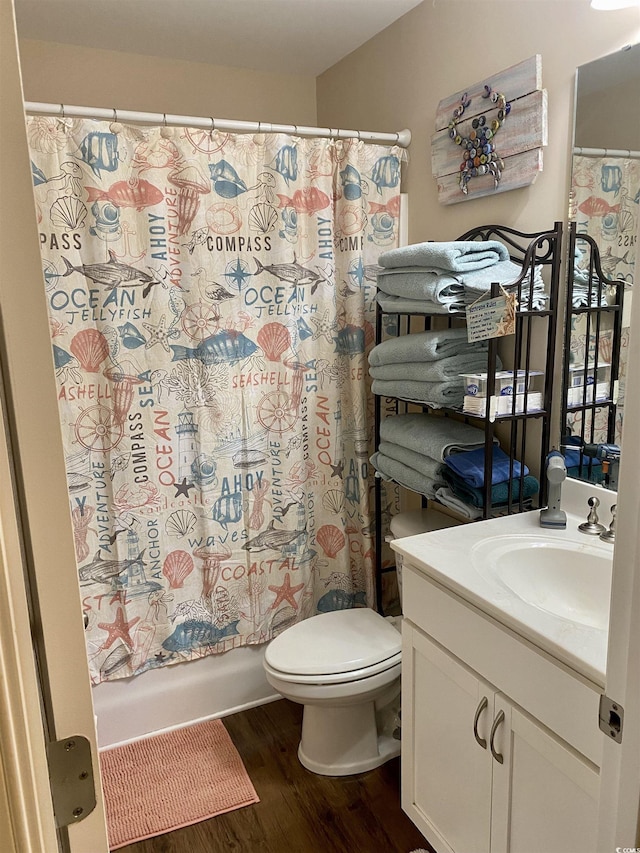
604 205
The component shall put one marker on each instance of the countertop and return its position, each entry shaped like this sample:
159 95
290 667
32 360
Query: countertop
446 556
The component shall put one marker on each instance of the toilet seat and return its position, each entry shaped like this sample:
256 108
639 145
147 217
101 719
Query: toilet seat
336 647
337 677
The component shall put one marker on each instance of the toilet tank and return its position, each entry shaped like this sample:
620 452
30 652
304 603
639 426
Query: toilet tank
417 521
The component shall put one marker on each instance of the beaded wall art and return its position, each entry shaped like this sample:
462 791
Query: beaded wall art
489 137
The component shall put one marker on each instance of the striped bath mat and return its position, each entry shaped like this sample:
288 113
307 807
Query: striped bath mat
172 780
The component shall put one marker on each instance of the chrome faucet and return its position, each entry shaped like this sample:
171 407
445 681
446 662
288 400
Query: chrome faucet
556 474
610 534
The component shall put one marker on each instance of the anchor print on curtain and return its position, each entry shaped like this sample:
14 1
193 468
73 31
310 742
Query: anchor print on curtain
211 299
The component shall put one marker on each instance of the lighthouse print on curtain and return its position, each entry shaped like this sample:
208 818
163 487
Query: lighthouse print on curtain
211 299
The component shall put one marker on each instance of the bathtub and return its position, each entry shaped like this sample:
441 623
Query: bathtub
174 696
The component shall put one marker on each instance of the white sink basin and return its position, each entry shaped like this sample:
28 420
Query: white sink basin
569 578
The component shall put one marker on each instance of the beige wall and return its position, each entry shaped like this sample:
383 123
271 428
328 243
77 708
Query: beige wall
60 73
397 79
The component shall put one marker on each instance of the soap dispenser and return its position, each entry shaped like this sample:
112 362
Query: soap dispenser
556 474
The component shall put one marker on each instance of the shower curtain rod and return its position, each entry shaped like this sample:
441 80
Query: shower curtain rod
402 138
607 152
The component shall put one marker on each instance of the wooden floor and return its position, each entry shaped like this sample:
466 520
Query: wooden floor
298 812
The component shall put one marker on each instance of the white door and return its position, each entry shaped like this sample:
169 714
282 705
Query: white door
38 539
620 772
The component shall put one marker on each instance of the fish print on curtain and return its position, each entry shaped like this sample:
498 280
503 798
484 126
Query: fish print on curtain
211 299
605 199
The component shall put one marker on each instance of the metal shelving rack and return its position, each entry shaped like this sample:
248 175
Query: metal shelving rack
596 316
539 249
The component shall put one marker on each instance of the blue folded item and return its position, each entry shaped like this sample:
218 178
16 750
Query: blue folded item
456 255
572 457
499 492
469 466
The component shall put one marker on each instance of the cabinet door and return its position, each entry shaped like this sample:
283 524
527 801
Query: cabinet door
446 772
545 795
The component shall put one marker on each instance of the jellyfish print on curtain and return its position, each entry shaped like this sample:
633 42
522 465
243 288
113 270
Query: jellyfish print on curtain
211 299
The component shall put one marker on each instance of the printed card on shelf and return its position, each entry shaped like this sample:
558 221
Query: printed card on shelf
491 318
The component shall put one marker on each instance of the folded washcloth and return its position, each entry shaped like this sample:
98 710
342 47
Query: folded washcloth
469 466
447 498
449 393
431 435
391 469
457 255
433 371
424 465
499 491
425 346
398 305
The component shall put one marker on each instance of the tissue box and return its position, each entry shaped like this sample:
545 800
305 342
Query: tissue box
504 405
506 383
579 375
576 395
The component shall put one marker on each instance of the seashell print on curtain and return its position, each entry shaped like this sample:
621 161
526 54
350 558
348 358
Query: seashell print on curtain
211 302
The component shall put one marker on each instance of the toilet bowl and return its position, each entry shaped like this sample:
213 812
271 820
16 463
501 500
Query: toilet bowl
344 667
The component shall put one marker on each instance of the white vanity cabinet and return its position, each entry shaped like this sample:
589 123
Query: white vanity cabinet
483 768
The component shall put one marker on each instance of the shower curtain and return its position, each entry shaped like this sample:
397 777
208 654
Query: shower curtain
605 192
211 298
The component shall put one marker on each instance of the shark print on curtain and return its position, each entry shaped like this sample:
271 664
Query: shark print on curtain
211 303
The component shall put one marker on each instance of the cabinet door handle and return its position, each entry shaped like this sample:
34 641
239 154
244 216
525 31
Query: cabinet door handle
481 707
499 719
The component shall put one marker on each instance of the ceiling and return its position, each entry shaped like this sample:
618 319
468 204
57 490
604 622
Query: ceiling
286 36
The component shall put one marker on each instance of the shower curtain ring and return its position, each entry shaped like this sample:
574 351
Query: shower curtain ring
62 110
213 125
259 127
397 138
295 128
164 119
359 138
115 114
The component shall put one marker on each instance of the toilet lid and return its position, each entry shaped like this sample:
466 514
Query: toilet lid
338 642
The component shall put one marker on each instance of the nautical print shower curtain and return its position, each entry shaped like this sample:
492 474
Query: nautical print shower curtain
211 299
605 193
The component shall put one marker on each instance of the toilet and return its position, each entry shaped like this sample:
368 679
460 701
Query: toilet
344 667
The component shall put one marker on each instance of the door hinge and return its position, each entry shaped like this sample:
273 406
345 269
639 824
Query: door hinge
611 718
71 779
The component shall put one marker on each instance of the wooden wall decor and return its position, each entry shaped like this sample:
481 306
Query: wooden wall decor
516 140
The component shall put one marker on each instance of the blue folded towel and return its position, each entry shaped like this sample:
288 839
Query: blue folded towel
469 466
456 255
431 435
425 346
574 467
433 371
446 287
424 465
449 393
391 469
499 492
399 305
